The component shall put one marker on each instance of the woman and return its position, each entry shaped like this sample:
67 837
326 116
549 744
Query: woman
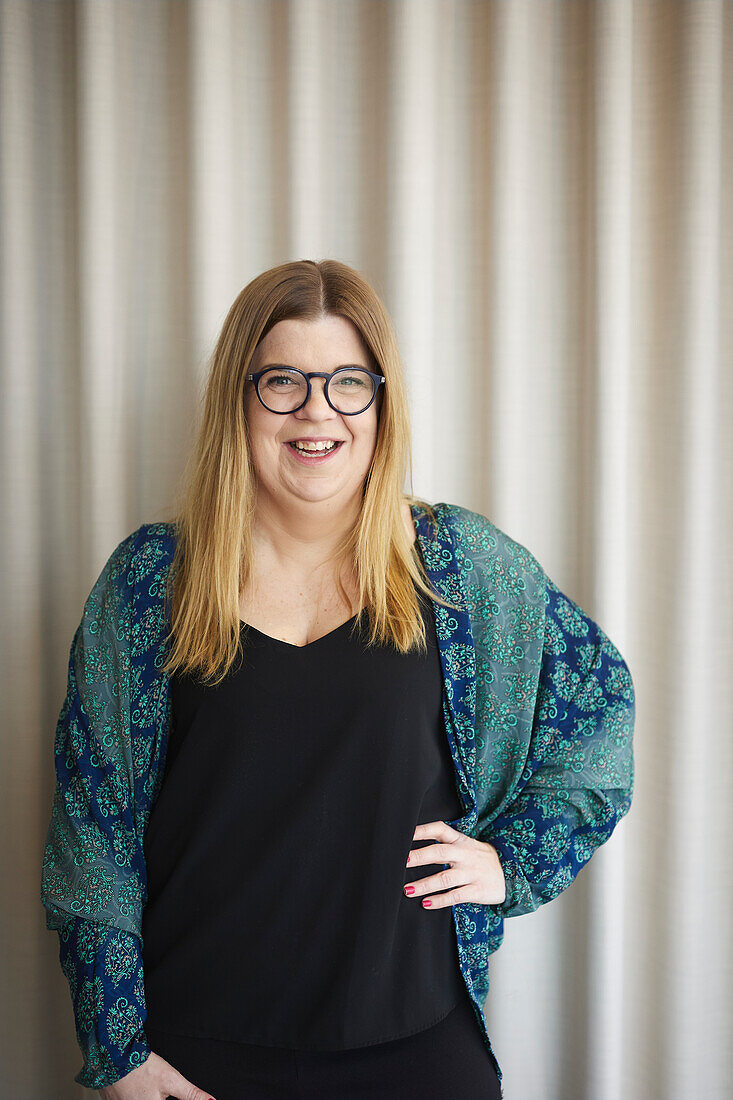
278 700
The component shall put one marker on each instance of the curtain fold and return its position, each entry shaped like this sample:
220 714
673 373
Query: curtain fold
542 192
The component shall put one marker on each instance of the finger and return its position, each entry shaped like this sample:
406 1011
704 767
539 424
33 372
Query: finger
443 880
450 897
437 829
182 1089
435 853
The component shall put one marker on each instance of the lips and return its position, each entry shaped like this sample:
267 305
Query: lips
314 458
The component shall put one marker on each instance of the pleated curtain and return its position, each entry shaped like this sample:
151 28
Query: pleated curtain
542 194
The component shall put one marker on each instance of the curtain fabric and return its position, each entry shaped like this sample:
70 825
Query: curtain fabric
542 193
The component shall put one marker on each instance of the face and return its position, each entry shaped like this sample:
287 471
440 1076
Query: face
322 345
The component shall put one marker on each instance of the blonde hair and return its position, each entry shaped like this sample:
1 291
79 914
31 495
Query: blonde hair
210 568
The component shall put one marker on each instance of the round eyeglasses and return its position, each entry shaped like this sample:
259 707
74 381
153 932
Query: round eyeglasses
349 390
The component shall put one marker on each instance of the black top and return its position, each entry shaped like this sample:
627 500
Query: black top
276 850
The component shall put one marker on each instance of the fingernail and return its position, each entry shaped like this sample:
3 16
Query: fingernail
427 902
409 889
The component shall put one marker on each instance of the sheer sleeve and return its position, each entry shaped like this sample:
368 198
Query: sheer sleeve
578 778
93 879
103 967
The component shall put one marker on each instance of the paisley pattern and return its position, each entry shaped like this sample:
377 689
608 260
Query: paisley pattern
103 967
539 714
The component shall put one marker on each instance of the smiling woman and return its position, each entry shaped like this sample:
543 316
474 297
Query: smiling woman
293 695
282 408
312 435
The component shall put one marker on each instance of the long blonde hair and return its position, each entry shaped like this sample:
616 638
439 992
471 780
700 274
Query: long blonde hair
213 520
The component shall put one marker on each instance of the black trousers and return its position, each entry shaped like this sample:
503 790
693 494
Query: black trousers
445 1061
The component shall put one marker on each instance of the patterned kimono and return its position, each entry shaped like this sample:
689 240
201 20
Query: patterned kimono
539 714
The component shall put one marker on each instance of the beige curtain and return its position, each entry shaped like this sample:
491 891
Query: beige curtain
543 194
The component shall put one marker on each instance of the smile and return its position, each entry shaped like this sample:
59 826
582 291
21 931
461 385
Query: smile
314 455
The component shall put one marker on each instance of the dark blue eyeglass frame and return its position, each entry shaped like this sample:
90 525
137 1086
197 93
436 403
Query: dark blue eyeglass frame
377 378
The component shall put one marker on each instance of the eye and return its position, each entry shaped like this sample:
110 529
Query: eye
352 381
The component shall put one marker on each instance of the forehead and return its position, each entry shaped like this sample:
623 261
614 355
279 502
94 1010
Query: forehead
313 344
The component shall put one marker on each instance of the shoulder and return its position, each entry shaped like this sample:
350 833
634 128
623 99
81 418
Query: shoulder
484 546
152 547
146 551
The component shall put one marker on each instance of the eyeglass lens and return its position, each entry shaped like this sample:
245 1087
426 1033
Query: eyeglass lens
282 390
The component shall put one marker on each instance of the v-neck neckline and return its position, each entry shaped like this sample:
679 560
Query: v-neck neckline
293 645
308 645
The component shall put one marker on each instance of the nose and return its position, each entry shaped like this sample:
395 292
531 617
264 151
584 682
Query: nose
316 405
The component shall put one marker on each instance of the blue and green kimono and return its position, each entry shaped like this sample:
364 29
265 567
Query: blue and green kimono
539 715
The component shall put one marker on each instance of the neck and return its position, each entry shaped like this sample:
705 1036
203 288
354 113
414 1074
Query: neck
300 536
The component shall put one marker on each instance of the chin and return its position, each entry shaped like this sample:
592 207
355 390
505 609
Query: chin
324 490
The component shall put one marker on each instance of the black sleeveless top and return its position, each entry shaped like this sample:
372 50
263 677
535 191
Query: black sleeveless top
276 851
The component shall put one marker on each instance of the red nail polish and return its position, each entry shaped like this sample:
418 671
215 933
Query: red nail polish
427 902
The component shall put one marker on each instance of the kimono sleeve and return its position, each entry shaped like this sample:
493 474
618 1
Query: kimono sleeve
103 966
578 779
93 879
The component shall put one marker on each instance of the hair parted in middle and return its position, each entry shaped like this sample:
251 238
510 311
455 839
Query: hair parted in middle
216 501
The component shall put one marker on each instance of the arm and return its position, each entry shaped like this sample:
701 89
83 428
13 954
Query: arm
93 877
103 967
578 779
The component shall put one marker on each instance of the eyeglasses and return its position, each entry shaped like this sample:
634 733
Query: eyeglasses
349 390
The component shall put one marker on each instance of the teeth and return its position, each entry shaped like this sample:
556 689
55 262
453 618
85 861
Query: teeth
322 446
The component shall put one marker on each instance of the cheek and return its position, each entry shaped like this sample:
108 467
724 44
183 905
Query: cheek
363 452
266 453
365 434
369 439
261 430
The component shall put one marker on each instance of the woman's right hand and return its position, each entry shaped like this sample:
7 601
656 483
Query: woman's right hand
155 1079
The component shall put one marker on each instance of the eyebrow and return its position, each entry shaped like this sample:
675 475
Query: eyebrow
287 366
